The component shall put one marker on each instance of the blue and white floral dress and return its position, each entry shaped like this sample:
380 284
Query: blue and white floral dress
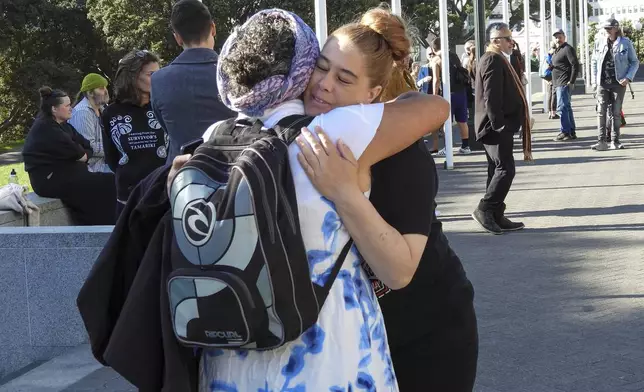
347 349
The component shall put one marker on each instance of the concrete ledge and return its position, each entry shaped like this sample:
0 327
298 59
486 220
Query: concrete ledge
52 213
43 268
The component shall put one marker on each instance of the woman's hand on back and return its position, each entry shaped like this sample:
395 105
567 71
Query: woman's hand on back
332 170
83 158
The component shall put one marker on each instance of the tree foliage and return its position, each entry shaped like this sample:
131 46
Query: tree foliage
43 42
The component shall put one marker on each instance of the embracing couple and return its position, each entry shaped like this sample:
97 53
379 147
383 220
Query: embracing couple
359 164
399 315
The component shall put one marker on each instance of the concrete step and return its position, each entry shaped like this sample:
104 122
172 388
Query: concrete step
75 371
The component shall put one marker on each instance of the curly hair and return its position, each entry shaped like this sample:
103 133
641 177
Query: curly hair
261 50
128 71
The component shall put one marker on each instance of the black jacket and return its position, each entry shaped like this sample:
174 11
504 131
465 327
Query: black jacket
52 144
135 144
565 65
124 304
498 102
185 98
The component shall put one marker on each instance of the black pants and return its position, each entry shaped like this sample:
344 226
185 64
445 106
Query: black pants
500 169
609 98
89 196
444 360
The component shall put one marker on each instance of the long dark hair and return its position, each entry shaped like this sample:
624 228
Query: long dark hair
128 71
49 98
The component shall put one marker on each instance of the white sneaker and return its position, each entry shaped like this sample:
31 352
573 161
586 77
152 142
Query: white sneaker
441 153
600 146
616 146
464 151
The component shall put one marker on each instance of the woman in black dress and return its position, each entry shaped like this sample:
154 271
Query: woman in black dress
56 156
431 323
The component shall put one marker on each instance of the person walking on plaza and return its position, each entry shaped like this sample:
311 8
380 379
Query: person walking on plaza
501 110
184 97
614 65
565 67
458 88
86 118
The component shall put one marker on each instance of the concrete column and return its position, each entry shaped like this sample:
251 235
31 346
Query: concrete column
526 60
396 7
543 52
444 26
506 11
564 17
320 21
553 19
588 49
573 24
582 41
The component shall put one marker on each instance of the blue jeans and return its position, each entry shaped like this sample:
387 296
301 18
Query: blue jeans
564 109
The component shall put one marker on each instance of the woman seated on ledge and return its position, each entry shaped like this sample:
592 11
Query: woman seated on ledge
56 155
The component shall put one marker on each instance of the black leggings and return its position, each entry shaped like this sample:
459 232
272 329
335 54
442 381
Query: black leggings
444 360
91 197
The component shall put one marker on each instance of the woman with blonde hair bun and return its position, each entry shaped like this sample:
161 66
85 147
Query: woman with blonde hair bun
431 322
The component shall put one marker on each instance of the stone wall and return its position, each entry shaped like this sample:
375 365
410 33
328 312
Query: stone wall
43 268
52 213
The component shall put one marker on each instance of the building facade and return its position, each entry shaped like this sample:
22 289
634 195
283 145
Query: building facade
618 9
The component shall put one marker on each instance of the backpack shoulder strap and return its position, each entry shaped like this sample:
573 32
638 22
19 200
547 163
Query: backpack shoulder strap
323 292
235 132
290 127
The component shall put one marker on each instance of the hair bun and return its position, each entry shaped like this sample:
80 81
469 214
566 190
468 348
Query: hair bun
45 91
392 28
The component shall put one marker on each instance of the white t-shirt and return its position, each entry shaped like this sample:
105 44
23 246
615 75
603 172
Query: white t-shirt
347 348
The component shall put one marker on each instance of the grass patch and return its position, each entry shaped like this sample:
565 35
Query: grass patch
23 177
10 146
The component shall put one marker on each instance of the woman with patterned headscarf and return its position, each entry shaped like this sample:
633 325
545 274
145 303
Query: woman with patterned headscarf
264 68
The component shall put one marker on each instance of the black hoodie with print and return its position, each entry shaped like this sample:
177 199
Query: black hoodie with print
135 144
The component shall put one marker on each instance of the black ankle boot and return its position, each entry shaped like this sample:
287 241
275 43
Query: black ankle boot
487 221
505 224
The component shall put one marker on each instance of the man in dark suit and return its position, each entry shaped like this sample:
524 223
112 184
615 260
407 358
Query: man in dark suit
184 97
500 112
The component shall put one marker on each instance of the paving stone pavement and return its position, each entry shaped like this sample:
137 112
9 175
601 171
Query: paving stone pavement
561 304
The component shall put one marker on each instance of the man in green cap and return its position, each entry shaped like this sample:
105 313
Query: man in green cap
86 118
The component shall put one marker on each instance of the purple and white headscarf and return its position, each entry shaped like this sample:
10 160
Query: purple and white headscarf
278 88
